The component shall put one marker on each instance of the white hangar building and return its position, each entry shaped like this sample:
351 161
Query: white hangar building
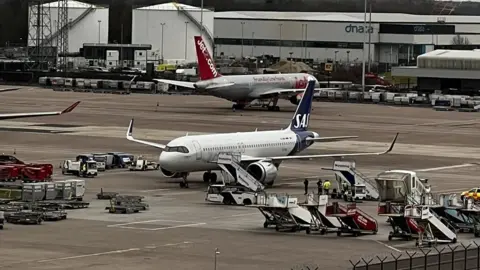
394 38
179 24
87 24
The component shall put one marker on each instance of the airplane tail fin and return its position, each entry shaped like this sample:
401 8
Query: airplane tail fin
302 114
206 65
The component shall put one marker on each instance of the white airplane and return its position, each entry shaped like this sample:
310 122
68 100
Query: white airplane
243 89
262 151
6 116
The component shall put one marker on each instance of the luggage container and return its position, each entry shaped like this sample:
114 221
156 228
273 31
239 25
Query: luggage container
32 192
78 189
50 192
63 190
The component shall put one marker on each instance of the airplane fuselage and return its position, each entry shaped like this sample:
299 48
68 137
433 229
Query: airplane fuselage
246 88
199 153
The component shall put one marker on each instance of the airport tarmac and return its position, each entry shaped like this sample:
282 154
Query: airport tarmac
181 231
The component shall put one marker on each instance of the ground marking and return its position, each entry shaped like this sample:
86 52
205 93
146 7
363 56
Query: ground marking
136 222
90 255
388 246
448 167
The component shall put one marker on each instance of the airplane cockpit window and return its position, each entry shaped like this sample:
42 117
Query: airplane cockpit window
178 149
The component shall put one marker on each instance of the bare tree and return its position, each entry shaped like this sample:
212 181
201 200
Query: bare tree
459 40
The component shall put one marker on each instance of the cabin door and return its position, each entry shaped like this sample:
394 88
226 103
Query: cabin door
198 150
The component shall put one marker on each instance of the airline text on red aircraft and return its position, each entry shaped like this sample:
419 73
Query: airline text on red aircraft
204 50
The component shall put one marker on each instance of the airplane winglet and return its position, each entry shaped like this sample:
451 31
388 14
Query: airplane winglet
70 108
130 130
392 145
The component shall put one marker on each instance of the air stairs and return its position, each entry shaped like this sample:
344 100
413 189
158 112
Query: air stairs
231 168
209 34
69 25
345 171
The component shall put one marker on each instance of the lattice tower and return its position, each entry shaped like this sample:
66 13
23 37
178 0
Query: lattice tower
40 52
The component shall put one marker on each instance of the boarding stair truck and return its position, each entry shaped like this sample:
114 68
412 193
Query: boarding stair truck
141 164
450 213
230 165
80 168
353 220
472 212
320 221
236 195
283 211
345 172
433 230
99 159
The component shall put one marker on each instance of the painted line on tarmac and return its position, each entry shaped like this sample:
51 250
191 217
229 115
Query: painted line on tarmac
388 246
91 255
448 167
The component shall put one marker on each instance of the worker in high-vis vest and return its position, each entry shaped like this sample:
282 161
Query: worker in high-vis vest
326 186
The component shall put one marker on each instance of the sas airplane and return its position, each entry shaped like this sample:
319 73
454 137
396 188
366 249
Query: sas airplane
243 89
6 116
262 151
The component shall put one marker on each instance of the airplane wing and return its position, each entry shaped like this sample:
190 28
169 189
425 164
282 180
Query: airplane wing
282 158
130 138
331 139
37 114
177 83
279 91
8 90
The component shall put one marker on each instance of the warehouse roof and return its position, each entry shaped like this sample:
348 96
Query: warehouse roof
71 4
452 54
342 17
169 6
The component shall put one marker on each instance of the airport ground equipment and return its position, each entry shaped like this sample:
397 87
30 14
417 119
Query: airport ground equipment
231 167
402 227
106 195
450 213
126 204
78 189
283 212
108 159
24 217
357 193
432 229
141 164
472 212
345 172
121 159
237 195
99 159
353 220
2 220
80 168
320 221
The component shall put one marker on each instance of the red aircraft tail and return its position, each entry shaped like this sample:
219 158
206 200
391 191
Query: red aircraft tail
206 66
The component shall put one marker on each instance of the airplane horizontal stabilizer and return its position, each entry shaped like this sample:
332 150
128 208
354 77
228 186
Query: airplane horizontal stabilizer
251 159
130 138
177 83
331 139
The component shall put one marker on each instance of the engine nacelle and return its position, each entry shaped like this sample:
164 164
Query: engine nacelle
264 172
170 174
295 99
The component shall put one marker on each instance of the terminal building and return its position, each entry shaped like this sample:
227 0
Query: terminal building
451 70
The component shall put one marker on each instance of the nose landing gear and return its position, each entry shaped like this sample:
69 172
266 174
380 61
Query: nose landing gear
210 177
184 183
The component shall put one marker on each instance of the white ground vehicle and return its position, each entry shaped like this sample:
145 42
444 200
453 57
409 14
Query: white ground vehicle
80 168
141 164
101 160
360 193
230 195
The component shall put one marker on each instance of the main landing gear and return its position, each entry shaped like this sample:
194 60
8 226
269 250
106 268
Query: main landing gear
238 106
210 177
274 106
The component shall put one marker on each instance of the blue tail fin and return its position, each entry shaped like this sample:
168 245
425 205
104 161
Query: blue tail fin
302 114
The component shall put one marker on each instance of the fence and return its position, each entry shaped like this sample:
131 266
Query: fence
451 257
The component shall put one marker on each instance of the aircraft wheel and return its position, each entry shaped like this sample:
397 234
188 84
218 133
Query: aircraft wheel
265 225
390 238
276 108
206 177
182 184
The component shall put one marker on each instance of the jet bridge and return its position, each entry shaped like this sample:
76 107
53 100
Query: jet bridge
345 171
231 169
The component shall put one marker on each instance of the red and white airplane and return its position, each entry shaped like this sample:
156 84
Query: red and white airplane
243 89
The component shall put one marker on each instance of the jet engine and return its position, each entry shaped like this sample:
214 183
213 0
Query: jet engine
295 99
170 174
264 172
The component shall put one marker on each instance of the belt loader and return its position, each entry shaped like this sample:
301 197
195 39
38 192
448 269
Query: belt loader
141 164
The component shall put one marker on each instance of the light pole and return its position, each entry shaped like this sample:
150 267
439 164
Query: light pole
280 42
253 35
369 33
364 42
186 42
305 41
99 24
162 24
216 253
201 18
242 23
348 57
335 61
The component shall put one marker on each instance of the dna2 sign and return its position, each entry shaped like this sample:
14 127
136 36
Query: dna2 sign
301 120
205 52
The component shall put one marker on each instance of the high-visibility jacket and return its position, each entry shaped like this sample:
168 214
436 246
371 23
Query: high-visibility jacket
326 185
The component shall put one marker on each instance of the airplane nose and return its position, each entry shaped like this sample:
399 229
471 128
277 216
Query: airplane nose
166 161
